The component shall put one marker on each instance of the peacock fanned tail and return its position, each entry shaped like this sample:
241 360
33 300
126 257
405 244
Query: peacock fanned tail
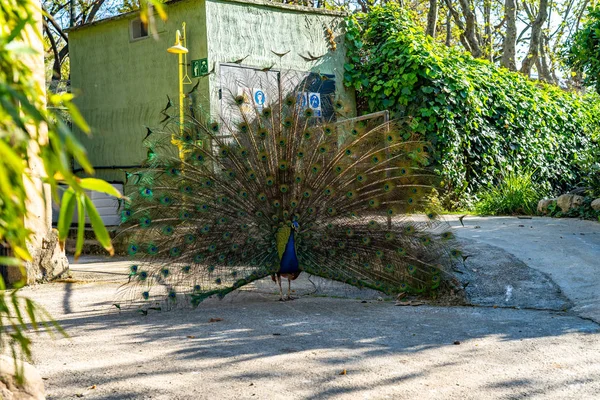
204 213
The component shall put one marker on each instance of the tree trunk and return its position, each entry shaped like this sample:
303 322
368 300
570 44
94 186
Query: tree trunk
535 41
432 17
471 29
448 29
509 52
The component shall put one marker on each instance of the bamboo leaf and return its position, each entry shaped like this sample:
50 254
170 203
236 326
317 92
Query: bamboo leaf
98 226
99 185
67 208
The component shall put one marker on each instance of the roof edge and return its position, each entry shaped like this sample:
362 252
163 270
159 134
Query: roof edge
262 3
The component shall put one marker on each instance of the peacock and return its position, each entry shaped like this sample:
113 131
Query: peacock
275 187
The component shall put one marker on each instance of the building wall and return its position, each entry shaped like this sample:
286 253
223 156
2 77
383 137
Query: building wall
122 84
255 29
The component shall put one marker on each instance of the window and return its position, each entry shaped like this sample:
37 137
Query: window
138 29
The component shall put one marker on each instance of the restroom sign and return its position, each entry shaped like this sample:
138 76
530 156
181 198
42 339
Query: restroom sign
260 98
314 102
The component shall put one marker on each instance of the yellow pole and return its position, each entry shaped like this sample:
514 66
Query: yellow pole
181 97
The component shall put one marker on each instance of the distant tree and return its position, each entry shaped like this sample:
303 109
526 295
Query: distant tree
583 54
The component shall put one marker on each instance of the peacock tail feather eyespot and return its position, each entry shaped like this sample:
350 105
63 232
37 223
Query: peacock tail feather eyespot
373 203
366 240
447 235
328 191
315 168
284 188
372 224
202 207
338 169
341 245
198 258
167 230
239 99
262 197
425 240
262 132
205 229
401 251
175 252
221 257
143 275
361 178
133 269
308 112
389 236
375 159
328 130
146 192
310 210
145 295
243 194
411 269
132 249
275 218
145 222
185 215
388 186
259 214
331 211
455 253
367 265
351 194
379 254
152 249
231 174
307 134
287 122
282 142
166 200
354 132
300 153
348 152
218 281
389 268
211 248
276 203
349 232
324 148
224 152
409 229
283 165
298 179
306 194
189 238
270 180
251 175
226 235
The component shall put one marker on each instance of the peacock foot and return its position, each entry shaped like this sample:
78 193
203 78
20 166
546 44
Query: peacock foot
291 298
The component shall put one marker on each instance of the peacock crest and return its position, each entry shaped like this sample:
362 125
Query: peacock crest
275 186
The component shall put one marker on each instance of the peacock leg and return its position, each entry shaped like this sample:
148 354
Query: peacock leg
280 288
289 296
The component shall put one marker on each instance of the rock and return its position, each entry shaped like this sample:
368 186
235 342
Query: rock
543 205
569 201
596 204
31 389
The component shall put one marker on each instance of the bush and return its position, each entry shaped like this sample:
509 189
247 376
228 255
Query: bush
515 194
481 119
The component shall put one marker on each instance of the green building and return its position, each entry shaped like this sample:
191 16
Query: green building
122 75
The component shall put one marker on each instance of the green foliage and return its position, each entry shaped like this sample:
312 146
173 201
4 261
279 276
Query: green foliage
516 193
481 119
35 147
583 53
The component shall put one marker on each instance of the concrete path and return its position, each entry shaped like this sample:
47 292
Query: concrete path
568 250
337 342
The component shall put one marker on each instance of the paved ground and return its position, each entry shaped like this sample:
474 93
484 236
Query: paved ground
532 345
568 250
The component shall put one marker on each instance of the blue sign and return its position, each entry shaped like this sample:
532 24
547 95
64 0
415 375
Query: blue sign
259 97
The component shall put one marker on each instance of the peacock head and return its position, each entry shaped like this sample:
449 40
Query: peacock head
295 225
